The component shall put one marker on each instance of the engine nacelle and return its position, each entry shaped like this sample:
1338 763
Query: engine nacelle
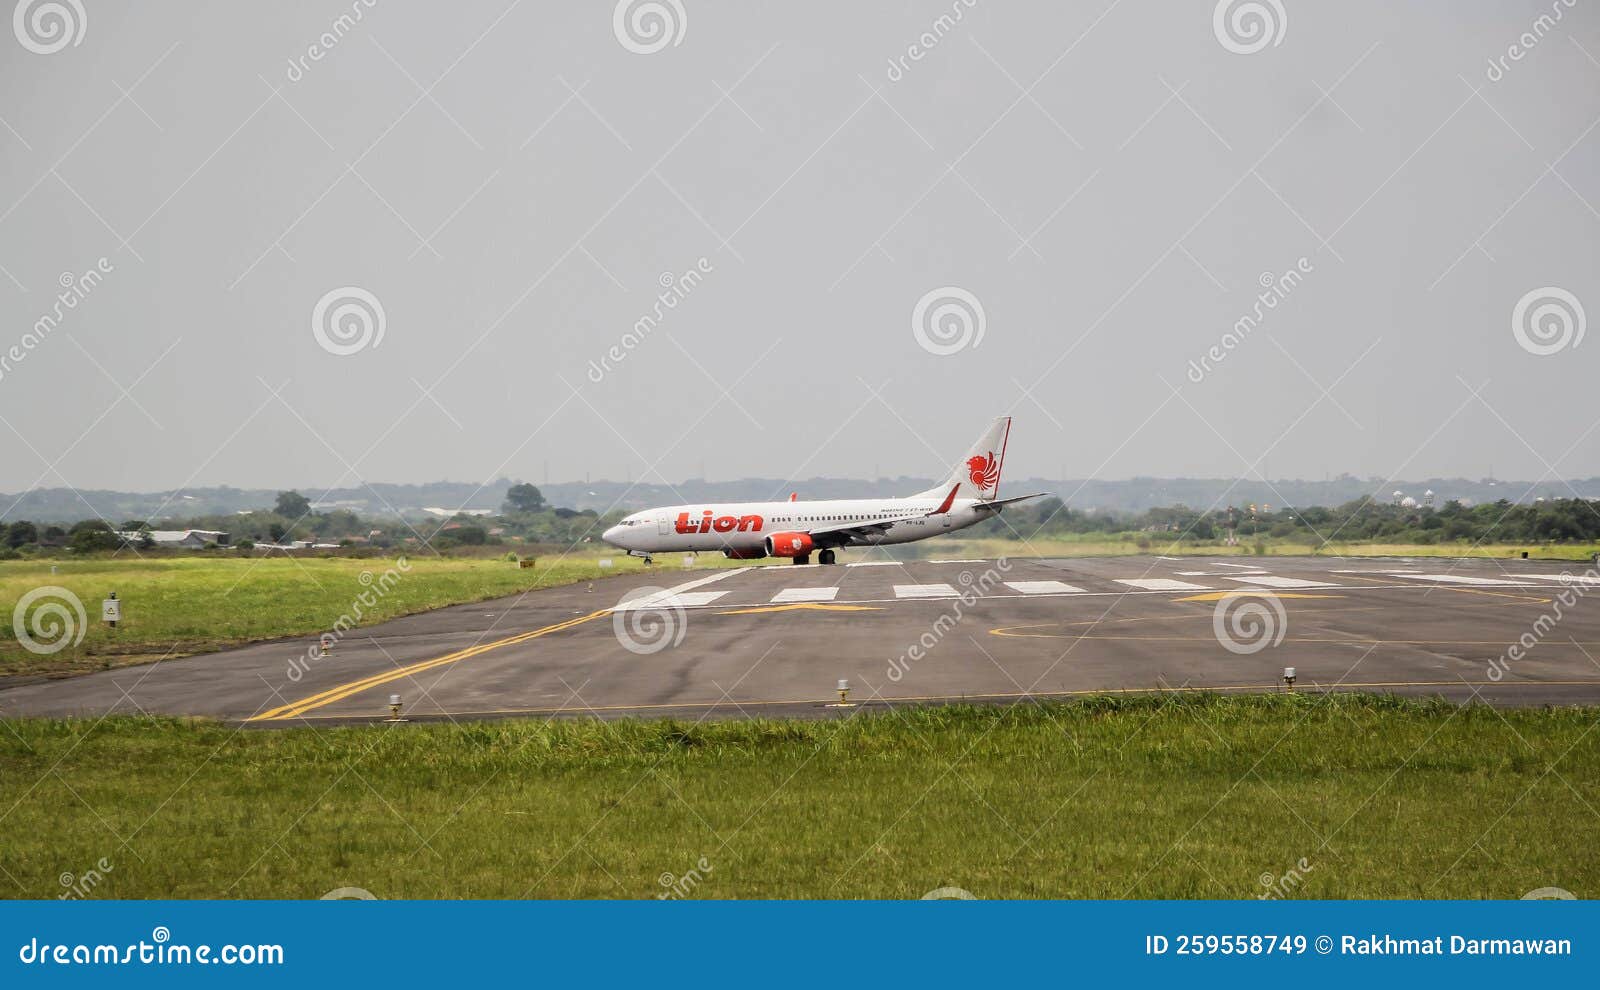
750 553
789 544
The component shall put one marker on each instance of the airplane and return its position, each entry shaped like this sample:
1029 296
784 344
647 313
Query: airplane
795 529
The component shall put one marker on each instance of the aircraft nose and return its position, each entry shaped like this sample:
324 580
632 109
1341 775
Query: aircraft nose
612 536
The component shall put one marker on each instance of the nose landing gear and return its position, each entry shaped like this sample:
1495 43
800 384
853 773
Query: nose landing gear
825 557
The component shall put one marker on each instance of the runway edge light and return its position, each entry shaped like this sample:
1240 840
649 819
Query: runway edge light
844 695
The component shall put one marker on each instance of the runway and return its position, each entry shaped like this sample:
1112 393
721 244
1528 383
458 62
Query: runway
776 640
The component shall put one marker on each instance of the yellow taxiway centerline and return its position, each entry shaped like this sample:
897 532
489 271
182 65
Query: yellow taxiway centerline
328 697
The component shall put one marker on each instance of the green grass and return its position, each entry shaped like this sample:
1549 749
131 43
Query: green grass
181 605
1180 796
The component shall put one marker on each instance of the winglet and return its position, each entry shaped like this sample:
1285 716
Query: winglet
948 501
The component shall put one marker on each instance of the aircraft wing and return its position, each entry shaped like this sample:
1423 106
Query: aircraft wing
862 527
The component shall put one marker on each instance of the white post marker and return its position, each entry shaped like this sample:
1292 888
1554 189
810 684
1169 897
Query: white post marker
111 610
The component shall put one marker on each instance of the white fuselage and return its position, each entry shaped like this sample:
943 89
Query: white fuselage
745 526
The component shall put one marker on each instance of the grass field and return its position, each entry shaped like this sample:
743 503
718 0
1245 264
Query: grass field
1181 796
182 605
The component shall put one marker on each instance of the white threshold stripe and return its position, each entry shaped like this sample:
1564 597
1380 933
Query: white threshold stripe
924 591
1121 593
1160 584
676 593
875 563
1044 587
1587 580
1273 581
806 595
1464 579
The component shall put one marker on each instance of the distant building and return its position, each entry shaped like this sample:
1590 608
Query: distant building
434 510
190 539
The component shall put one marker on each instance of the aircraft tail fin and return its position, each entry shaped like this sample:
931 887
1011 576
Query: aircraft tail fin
977 475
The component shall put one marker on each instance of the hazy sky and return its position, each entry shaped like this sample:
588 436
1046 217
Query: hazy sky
512 183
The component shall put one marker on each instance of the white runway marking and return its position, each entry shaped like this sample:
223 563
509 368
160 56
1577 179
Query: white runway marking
1272 581
1248 567
924 591
958 561
1212 573
1587 581
688 599
875 563
1464 579
1160 584
676 596
1043 587
805 595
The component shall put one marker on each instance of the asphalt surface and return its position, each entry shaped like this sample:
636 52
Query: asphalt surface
775 641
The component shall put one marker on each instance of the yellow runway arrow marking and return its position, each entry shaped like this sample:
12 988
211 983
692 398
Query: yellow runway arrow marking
1217 596
797 606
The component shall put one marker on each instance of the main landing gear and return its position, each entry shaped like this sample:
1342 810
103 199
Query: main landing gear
823 557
